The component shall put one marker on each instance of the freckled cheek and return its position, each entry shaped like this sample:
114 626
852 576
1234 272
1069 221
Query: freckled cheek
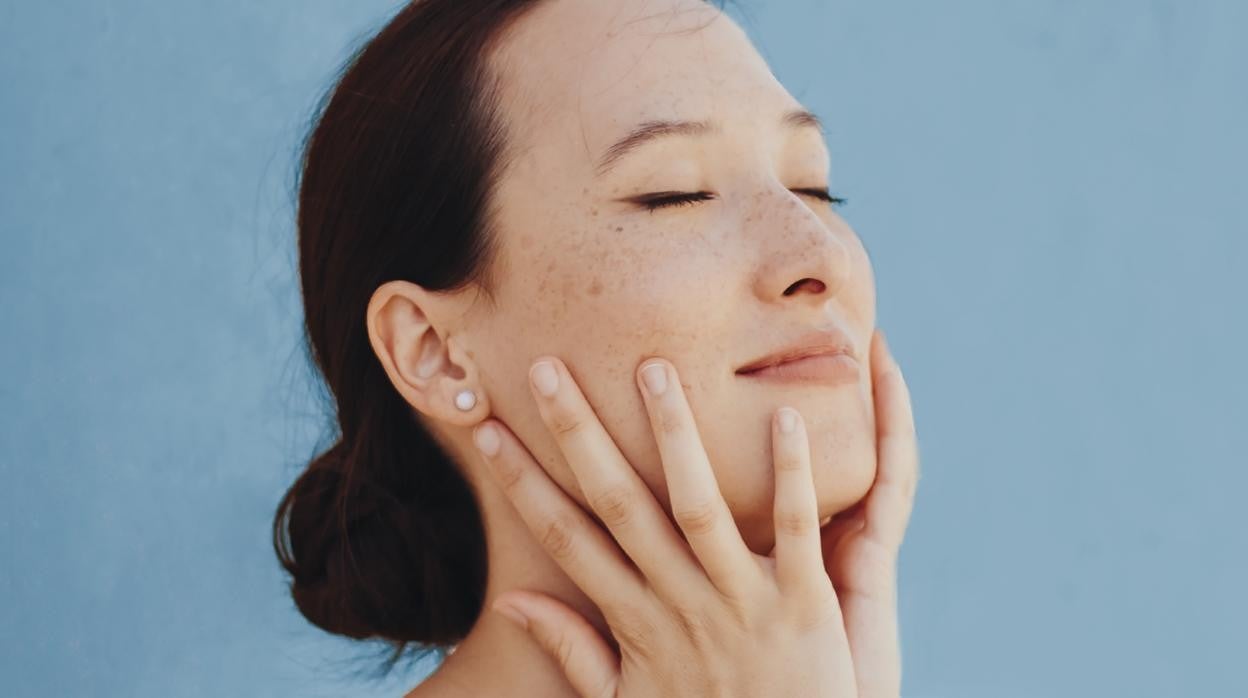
859 295
595 278
607 292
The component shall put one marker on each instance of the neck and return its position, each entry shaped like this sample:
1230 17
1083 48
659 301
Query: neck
498 658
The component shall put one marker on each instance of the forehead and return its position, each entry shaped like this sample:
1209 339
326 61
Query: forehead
577 74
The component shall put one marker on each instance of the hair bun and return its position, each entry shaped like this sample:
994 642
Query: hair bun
369 556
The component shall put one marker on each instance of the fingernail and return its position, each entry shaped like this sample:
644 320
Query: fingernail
544 378
486 438
788 419
514 615
655 378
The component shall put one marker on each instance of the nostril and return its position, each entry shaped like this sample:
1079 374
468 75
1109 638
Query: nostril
819 286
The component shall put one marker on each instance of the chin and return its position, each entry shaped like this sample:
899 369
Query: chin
843 474
843 470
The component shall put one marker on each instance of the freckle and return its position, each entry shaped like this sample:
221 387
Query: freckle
595 288
594 211
619 228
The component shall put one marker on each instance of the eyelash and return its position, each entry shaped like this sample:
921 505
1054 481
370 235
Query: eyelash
694 197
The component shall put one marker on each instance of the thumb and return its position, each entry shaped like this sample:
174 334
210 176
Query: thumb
588 662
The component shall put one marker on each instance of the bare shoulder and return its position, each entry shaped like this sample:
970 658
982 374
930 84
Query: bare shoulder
440 684
431 689
428 690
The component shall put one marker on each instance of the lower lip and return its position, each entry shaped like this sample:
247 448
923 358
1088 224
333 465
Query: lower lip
827 369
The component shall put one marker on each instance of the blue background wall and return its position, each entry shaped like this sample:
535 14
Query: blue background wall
1053 194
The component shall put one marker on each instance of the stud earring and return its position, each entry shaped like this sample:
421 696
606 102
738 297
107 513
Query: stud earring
466 400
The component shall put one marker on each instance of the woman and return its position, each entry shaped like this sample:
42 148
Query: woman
502 196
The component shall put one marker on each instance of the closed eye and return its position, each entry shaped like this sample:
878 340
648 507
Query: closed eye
667 199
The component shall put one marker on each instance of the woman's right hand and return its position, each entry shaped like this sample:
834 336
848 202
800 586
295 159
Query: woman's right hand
702 615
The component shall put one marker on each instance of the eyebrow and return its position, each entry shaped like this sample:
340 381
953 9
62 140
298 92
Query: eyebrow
652 130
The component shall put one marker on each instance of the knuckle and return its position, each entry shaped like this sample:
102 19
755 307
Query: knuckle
666 421
620 612
615 505
814 597
692 623
635 631
558 538
562 423
696 519
820 611
754 606
509 475
563 650
789 461
741 607
795 523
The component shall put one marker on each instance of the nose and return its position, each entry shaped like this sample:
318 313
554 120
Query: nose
802 259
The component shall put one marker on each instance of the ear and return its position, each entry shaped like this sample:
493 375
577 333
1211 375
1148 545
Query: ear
427 367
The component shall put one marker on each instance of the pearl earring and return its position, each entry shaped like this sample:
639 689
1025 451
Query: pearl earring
466 400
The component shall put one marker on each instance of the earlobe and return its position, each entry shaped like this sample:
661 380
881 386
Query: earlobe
427 367
466 400
462 395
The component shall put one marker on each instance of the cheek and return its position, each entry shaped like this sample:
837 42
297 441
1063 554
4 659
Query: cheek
602 308
625 291
602 305
860 295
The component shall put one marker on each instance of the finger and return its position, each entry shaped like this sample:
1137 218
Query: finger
614 490
697 504
891 500
871 626
590 665
842 525
579 546
799 559
869 605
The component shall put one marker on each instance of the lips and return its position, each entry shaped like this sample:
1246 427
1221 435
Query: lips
823 342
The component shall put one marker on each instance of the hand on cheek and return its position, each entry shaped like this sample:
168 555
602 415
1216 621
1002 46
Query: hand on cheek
861 544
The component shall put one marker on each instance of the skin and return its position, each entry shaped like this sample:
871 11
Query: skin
588 275
816 617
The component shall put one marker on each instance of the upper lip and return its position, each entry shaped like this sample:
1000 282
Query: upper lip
818 342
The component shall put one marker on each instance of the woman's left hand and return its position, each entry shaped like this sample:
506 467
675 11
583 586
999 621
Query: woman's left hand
861 544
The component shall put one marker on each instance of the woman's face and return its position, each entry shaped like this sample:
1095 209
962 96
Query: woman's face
588 274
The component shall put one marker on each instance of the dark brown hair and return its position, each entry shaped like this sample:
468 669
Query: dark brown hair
381 534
